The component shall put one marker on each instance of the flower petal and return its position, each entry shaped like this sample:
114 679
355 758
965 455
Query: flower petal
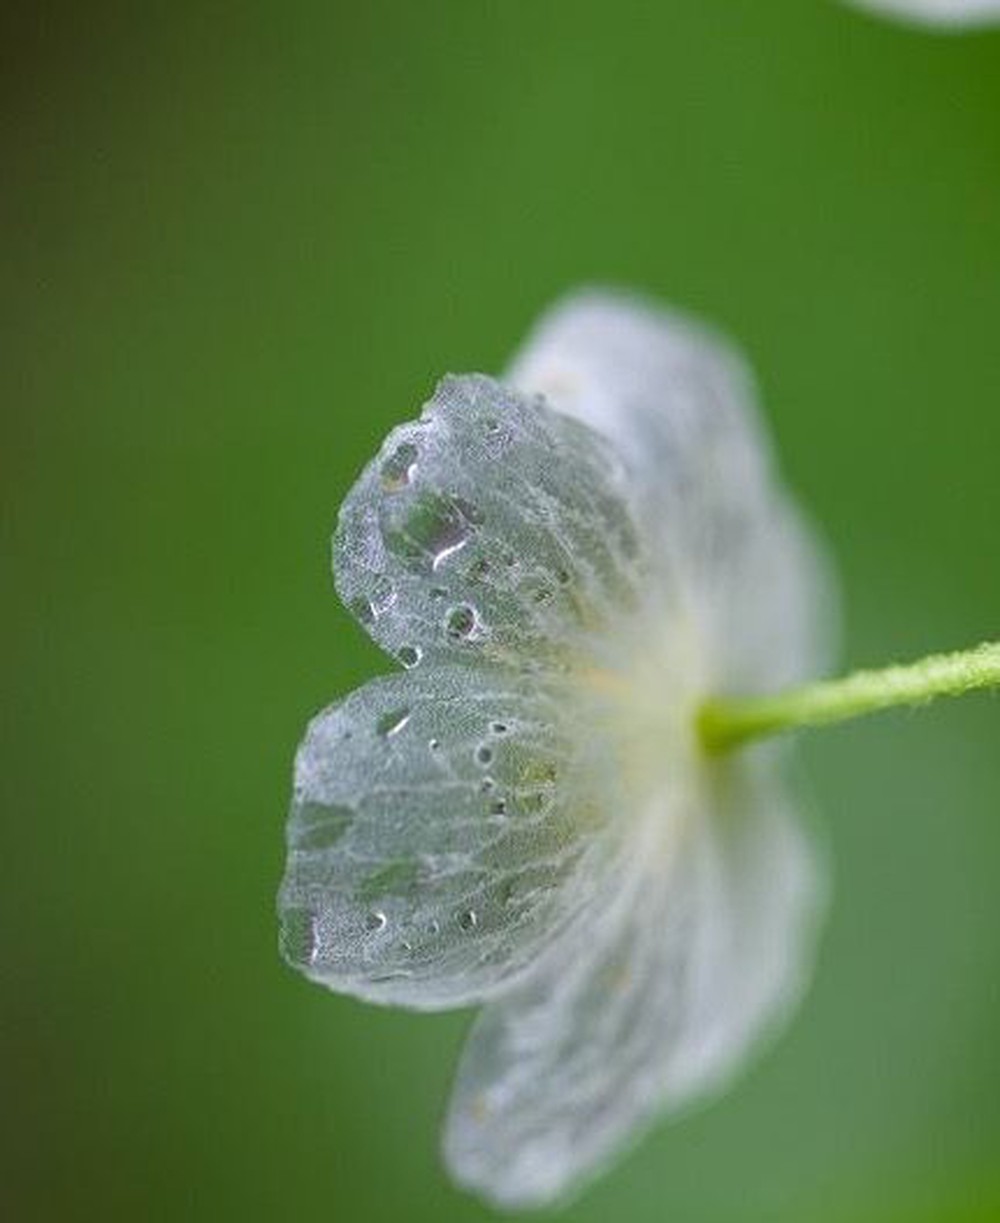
678 404
491 528
937 12
650 1001
443 830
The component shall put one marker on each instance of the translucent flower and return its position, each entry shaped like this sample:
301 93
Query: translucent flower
566 563
938 12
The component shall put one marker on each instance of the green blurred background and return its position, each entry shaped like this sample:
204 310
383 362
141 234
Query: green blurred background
238 244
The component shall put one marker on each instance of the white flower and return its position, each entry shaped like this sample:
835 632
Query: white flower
938 12
566 562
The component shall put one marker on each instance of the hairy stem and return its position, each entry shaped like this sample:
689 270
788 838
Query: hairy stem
726 723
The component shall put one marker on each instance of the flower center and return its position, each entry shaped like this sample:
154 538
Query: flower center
640 699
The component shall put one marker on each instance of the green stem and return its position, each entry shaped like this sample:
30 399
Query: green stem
726 722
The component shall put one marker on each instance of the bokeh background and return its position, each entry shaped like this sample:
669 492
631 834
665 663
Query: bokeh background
239 242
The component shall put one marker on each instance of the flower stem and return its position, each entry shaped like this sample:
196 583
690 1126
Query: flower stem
727 722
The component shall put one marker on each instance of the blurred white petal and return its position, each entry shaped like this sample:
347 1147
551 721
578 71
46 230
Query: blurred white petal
679 405
955 13
695 948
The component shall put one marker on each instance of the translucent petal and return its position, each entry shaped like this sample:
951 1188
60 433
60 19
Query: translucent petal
492 528
649 1002
678 404
443 829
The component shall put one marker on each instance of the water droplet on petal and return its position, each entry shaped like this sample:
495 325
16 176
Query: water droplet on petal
461 621
318 827
434 927
398 469
382 597
498 436
484 753
433 528
499 728
375 920
434 744
446 550
410 655
467 919
298 937
498 806
487 785
363 610
392 722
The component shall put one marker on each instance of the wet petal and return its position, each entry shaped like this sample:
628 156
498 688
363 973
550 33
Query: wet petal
678 404
492 528
444 828
649 1002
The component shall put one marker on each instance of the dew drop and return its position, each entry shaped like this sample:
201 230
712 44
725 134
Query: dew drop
382 597
484 753
392 722
434 745
461 621
433 528
363 610
498 806
447 548
487 785
375 920
467 919
298 937
318 827
398 469
498 436
499 728
410 655
434 926
406 948
438 592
